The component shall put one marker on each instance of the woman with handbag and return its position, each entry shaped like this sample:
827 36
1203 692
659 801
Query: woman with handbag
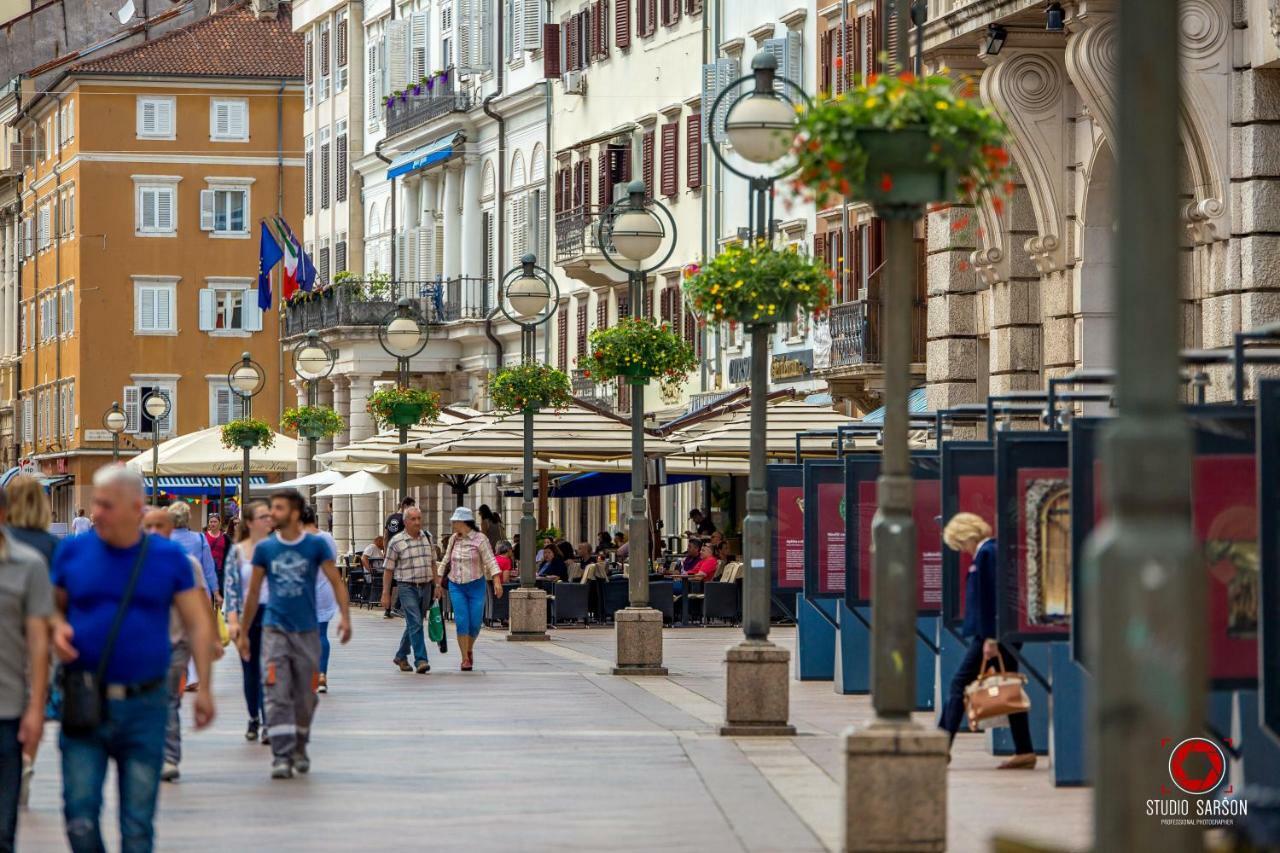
255 526
970 534
470 565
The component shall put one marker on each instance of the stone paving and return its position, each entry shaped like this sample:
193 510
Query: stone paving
540 749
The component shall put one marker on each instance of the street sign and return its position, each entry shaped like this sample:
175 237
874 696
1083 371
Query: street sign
97 435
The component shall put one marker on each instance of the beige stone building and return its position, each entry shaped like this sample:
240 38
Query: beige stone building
1021 294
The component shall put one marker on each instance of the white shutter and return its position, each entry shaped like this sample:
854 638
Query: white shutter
533 220
475 34
532 22
207 199
426 253
250 311
164 118
409 271
438 258
465 36
793 65
419 46
398 36
146 118
146 309
400 251
164 209
164 309
69 123
132 408
208 306
716 77
221 119
515 27
164 424
146 209
28 420
223 406
239 120
371 84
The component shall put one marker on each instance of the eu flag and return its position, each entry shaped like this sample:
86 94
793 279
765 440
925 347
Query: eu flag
269 254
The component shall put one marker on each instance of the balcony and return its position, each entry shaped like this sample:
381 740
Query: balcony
578 250
855 371
369 302
855 335
416 110
603 394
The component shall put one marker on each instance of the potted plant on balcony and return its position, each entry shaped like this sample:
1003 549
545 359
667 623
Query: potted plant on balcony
311 422
758 284
247 432
529 387
637 349
403 406
900 141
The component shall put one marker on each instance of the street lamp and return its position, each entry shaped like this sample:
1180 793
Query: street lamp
246 378
529 296
156 405
760 125
634 228
313 360
403 335
114 422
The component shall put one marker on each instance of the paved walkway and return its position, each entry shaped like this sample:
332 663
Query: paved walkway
539 749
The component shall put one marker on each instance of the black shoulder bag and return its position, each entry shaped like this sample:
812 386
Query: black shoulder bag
84 693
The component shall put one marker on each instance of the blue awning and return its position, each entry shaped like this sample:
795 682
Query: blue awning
917 404
428 155
595 484
202 485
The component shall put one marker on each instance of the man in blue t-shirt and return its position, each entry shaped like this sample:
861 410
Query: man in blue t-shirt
289 560
91 574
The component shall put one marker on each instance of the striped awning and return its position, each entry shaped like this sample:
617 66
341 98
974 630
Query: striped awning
202 485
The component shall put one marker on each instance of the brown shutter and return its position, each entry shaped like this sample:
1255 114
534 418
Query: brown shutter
646 163
340 170
870 43
602 312
622 23
342 43
670 159
826 73
693 141
582 327
593 32
605 178
309 59
677 305
562 341
602 27
692 7
670 12
648 9
550 50
571 44
324 53
586 182
820 246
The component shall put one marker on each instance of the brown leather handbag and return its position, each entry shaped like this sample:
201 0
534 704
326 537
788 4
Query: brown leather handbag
994 695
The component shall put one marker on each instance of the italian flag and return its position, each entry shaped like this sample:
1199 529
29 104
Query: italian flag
291 253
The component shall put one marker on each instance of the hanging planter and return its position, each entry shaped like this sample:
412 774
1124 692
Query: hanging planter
637 349
529 387
403 407
311 422
247 433
758 284
900 142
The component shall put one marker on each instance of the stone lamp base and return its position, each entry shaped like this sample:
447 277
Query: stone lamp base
639 634
757 690
527 615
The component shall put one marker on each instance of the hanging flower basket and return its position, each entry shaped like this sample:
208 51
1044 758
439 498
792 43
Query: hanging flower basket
247 432
900 142
758 284
403 407
311 422
529 387
637 349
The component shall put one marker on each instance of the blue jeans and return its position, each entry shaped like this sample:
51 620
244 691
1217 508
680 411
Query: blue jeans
468 606
10 781
953 712
413 601
251 672
133 736
324 647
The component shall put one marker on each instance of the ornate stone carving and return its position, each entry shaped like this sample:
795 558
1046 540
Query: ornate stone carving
1045 252
1203 218
990 264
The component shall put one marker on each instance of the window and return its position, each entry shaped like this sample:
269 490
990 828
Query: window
308 66
24 333
67 213
44 233
154 306
670 12
68 121
646 17
157 209
136 419
693 154
340 78
308 175
228 119
322 264
68 309
340 253
324 168
230 305
670 159
48 316
225 210
340 164
155 117
373 103
69 408
325 45
224 406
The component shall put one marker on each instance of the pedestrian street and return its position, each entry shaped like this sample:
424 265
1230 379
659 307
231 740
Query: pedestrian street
540 749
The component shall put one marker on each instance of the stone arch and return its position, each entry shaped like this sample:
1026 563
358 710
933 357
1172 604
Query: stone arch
518 175
1096 272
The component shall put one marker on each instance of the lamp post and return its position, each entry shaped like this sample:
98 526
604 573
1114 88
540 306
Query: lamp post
246 378
634 229
114 422
156 405
529 297
403 335
759 124
313 360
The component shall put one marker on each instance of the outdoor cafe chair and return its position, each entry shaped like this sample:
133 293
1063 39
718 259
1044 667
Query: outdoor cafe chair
662 599
569 602
722 599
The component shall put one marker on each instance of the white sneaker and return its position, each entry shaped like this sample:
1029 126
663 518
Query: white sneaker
169 773
24 788
281 768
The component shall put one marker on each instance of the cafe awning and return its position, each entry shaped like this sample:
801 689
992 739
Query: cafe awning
428 155
202 453
733 436
191 486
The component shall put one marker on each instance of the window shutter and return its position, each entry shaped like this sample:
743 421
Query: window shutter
208 298
462 11
165 424
562 341
622 23
605 178
585 165
164 209
486 247
420 46
342 42
146 119
69 121
308 54
670 159
646 162
324 176
602 311
693 141
308 179
532 25
221 406
693 7
550 50
398 37
207 198
146 309
650 10
324 51
371 86
582 327
793 52
340 256
238 120
340 170
250 311
670 12
571 44
870 43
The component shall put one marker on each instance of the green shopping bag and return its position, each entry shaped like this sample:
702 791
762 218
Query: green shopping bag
435 623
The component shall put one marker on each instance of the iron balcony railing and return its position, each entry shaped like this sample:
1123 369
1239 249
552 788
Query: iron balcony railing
576 232
603 394
365 302
417 110
855 333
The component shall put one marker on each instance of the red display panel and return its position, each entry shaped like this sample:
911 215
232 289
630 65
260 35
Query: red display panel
831 536
1042 550
1225 521
925 510
788 537
977 494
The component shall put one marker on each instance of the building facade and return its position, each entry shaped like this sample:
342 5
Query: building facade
148 172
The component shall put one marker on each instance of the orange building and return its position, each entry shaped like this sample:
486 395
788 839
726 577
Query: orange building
146 174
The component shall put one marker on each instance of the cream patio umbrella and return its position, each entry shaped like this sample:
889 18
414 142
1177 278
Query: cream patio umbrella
732 437
202 453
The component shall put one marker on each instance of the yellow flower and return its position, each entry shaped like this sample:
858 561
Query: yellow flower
754 261
871 103
799 109
941 105
839 99
962 103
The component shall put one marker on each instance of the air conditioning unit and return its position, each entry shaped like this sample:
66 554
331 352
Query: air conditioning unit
575 82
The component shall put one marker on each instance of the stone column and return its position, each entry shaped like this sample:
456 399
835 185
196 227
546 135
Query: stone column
304 464
473 240
325 393
341 507
452 222
364 508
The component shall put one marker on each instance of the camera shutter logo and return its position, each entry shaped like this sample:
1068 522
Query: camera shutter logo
1197 766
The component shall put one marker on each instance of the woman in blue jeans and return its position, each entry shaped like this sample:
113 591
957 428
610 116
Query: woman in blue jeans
971 535
255 525
469 564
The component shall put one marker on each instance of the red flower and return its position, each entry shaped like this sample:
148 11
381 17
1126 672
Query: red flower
845 189
839 62
835 165
907 77
886 183
998 204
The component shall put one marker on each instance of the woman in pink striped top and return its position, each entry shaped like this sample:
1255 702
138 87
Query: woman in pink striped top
470 564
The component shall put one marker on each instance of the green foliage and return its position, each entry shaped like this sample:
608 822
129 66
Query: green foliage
247 431
758 283
529 386
311 422
384 402
637 349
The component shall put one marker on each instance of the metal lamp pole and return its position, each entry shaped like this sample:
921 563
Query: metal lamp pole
157 406
313 360
632 230
403 336
114 421
246 378
529 296
759 123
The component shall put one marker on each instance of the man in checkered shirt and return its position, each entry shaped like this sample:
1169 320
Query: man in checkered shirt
411 562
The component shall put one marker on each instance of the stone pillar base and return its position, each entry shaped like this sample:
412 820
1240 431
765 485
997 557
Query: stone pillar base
757 692
639 635
882 762
528 615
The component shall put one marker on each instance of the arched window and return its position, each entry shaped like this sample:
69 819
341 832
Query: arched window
487 181
517 171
